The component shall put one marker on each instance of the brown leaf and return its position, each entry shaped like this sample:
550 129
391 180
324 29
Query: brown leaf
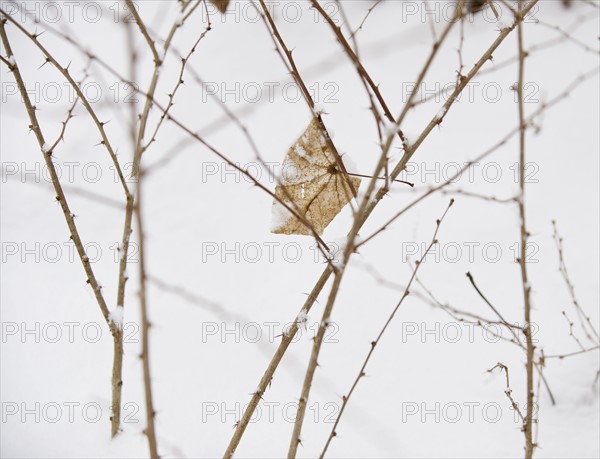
473 6
220 4
313 182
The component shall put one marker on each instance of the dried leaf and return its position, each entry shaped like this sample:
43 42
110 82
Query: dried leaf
220 4
313 182
473 6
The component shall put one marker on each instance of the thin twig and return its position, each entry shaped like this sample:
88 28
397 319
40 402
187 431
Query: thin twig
511 327
585 321
361 372
291 65
571 354
67 75
362 23
189 131
484 197
60 195
541 109
508 390
571 334
260 159
369 206
360 68
492 307
136 208
131 7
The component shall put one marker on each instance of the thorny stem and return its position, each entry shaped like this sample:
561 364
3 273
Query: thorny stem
266 15
124 250
508 390
149 430
361 372
312 365
117 368
541 109
67 75
528 421
260 159
150 413
359 67
188 131
359 221
538 366
69 217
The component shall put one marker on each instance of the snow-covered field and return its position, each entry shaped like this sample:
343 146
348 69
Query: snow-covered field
222 288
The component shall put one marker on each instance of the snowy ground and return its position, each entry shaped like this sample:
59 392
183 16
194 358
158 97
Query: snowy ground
427 392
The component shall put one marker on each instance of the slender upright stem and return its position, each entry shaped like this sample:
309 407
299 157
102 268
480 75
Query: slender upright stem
149 431
530 348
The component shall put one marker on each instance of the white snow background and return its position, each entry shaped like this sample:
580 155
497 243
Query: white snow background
207 234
